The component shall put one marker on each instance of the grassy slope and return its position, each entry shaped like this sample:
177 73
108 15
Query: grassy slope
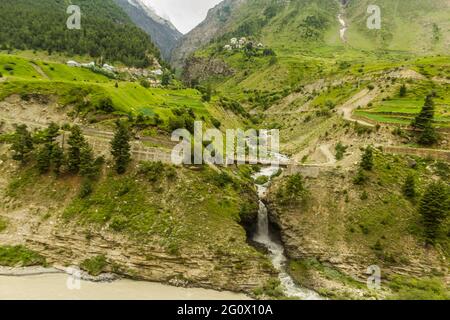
199 213
384 229
303 59
129 97
402 110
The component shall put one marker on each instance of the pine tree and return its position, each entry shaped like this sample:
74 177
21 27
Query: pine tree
426 115
76 141
120 147
367 159
409 188
165 81
87 167
434 209
22 143
44 157
57 158
403 90
428 136
51 133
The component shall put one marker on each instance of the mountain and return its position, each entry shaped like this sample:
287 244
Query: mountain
163 32
106 31
216 19
300 26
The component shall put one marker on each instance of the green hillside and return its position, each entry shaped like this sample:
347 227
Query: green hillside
41 25
83 87
301 40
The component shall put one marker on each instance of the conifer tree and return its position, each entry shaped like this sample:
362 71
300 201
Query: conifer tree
76 141
409 188
120 147
57 158
434 209
426 115
403 90
22 143
367 159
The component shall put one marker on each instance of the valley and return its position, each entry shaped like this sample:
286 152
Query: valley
363 118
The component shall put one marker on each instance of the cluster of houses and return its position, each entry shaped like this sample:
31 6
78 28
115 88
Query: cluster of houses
90 65
236 43
152 76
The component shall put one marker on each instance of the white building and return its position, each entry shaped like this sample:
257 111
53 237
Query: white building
228 47
88 65
233 41
157 72
72 63
109 68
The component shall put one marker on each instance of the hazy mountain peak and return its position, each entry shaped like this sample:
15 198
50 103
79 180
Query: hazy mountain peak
162 31
151 12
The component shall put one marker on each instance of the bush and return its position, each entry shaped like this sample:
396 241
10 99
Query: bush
119 223
94 266
12 256
153 171
367 159
105 104
340 151
262 180
86 189
360 177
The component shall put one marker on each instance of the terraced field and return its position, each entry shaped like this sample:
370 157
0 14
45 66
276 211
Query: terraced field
401 110
25 75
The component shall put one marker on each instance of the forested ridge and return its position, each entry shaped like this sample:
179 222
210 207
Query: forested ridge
105 30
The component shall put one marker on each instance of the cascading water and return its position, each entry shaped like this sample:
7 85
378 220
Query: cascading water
275 247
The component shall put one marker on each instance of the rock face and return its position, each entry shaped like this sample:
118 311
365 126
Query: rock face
325 229
210 28
163 32
200 69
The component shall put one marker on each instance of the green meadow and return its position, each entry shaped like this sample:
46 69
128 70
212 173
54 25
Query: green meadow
402 110
26 75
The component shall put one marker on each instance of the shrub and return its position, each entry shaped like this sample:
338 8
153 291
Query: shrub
105 104
86 189
262 180
94 266
360 177
153 171
119 223
340 151
367 159
13 256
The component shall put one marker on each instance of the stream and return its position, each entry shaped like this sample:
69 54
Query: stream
264 236
344 27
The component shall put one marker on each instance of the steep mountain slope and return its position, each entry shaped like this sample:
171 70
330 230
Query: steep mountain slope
407 25
217 18
301 26
106 31
163 32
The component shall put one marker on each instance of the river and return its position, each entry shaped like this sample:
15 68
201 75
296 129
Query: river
264 236
54 287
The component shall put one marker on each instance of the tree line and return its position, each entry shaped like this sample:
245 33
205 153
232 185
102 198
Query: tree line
106 31
434 204
78 158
